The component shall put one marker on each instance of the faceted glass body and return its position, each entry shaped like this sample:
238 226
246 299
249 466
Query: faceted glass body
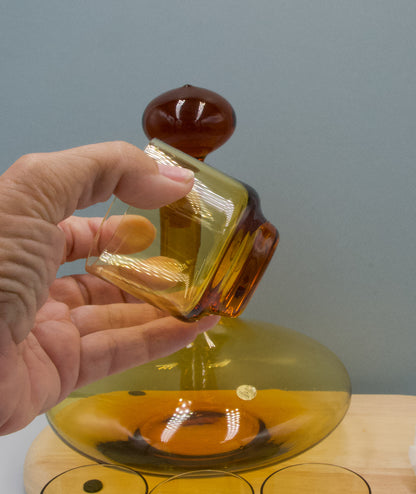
202 254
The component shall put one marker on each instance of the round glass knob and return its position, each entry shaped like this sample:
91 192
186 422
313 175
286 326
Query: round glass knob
192 119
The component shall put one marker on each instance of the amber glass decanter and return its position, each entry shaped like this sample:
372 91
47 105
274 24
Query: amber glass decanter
244 395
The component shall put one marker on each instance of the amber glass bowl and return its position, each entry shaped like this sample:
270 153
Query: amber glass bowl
245 395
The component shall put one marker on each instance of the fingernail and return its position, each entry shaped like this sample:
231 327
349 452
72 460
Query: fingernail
208 322
176 173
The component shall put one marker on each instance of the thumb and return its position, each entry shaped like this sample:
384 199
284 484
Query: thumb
52 186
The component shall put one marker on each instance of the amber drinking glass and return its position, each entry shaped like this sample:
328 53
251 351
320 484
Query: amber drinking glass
202 254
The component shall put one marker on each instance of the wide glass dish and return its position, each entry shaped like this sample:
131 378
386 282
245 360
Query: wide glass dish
245 395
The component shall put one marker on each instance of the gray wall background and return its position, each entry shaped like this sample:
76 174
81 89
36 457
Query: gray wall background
324 93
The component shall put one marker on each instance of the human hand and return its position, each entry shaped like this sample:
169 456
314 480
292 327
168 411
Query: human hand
60 334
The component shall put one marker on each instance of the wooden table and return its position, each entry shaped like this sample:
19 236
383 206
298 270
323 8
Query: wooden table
373 440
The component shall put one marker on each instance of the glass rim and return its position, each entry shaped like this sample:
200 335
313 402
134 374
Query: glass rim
322 464
207 473
95 465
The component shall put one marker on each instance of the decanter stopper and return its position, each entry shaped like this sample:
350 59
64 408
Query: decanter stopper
206 252
192 119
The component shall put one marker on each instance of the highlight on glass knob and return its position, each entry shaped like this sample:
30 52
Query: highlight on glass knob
102 479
